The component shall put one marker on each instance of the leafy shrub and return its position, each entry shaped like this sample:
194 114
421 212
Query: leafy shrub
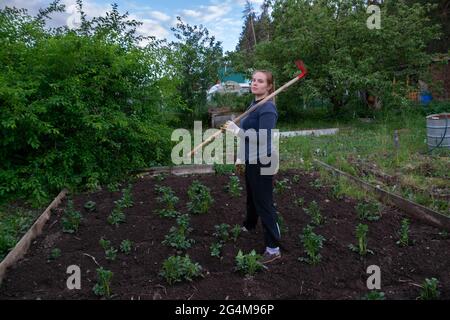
79 106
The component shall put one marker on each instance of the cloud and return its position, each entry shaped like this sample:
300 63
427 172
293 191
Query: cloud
205 14
158 15
150 27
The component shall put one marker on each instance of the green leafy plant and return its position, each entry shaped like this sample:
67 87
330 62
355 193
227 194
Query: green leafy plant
200 198
127 197
160 177
167 213
126 246
249 263
336 192
90 206
178 268
110 252
234 186
103 285
55 254
158 189
299 202
281 185
222 232
235 232
178 235
361 235
375 295
404 233
116 217
296 178
216 248
223 169
312 243
168 197
71 219
313 211
316 184
429 289
368 210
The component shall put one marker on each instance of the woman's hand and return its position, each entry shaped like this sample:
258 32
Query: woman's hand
230 126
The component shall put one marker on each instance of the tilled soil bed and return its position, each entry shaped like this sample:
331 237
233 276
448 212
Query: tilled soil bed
341 274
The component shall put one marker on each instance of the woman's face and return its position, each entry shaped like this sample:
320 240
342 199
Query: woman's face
260 87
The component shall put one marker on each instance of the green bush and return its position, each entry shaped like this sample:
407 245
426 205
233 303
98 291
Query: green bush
79 108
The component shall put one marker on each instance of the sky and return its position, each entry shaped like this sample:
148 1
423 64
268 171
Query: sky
223 18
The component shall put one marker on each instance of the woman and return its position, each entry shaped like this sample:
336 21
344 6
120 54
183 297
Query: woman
260 186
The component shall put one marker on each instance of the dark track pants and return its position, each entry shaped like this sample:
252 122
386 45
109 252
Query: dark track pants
260 204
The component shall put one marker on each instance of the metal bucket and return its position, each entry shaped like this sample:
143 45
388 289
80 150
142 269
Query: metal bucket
438 130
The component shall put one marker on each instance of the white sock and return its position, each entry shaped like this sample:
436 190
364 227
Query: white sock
273 250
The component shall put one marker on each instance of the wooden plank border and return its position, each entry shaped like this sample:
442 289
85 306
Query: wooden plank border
411 208
22 246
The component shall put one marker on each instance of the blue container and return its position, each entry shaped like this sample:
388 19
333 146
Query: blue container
425 98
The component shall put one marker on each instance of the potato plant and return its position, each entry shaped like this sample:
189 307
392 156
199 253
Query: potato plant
368 210
126 246
200 198
313 210
234 186
216 249
177 237
90 206
404 234
110 251
312 244
222 232
429 289
178 268
71 219
361 235
281 186
248 264
103 285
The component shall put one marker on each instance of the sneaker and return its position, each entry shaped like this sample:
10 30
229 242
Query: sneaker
268 258
244 229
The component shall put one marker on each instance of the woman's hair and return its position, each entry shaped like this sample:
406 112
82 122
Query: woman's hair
269 77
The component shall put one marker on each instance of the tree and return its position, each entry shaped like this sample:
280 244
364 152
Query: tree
342 54
79 108
198 57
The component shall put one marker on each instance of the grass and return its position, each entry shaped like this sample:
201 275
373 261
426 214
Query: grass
373 144
15 220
